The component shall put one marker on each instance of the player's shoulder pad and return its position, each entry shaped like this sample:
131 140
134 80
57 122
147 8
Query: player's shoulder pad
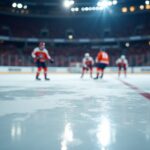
91 58
36 49
45 50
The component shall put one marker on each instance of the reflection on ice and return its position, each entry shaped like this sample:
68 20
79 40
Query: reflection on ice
67 136
104 133
16 131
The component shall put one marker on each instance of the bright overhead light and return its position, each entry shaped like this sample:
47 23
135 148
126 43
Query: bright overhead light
19 5
124 9
93 8
147 2
86 9
114 2
141 7
132 8
90 8
74 9
68 3
147 7
14 5
103 4
82 9
25 6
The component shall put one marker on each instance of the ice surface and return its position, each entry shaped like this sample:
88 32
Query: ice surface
69 113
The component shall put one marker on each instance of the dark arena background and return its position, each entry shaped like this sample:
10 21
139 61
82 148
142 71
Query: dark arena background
64 110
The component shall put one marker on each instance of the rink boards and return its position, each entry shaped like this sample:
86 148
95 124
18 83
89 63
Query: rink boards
16 69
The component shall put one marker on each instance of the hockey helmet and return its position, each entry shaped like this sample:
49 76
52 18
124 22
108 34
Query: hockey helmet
87 55
123 57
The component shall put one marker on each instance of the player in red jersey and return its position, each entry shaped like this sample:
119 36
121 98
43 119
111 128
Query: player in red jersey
122 63
102 61
41 55
87 64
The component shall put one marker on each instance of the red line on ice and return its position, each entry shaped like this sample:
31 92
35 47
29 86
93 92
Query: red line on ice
144 94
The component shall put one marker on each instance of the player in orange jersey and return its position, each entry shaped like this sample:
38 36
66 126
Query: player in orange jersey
122 63
102 61
87 64
41 55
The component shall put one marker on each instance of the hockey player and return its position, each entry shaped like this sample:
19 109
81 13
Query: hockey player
122 63
87 64
102 61
41 55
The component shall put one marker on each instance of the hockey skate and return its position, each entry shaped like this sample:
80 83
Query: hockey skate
37 78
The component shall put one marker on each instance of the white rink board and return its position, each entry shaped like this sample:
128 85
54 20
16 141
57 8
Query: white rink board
17 69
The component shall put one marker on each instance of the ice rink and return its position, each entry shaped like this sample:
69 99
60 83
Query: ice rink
69 113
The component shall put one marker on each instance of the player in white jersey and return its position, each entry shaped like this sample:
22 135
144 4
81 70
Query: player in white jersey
87 64
122 63
41 55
